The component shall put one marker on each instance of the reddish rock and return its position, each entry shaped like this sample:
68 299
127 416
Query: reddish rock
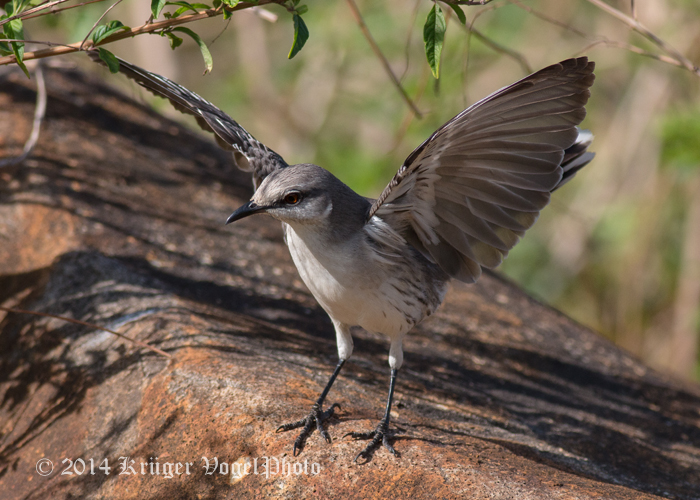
117 219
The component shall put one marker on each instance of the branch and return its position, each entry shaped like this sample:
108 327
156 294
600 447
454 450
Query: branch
131 32
548 19
468 2
50 44
519 58
407 47
56 11
98 22
646 33
39 113
378 53
503 50
91 325
631 48
40 7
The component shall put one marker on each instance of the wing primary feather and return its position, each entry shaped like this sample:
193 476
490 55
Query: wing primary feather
229 134
471 190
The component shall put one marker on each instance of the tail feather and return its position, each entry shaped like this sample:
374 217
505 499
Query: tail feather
576 156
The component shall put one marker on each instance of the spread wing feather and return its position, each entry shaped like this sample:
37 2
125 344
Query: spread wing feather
468 193
250 154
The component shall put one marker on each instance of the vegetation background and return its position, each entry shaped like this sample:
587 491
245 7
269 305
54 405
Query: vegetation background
617 250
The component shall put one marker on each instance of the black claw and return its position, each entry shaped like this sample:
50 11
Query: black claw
360 435
292 425
378 436
313 420
361 454
387 445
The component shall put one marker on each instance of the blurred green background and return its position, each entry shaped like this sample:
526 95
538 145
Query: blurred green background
619 247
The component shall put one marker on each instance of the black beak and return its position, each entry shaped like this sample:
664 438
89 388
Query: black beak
249 208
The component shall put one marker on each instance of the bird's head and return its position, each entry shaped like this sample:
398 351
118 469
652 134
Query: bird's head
296 194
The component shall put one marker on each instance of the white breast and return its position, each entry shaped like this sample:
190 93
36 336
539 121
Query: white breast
352 286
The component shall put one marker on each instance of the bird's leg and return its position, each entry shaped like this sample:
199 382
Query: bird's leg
381 434
316 417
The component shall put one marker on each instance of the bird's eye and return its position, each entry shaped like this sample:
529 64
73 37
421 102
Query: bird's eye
292 198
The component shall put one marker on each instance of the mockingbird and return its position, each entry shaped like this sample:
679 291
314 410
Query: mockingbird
458 203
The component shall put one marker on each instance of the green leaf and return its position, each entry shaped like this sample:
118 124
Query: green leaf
175 41
185 6
109 59
228 3
301 10
5 49
208 60
105 30
157 7
301 35
460 13
18 6
15 30
434 36
178 12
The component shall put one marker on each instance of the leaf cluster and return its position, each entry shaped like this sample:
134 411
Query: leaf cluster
14 30
301 32
11 23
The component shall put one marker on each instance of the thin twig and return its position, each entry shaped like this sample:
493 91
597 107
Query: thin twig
548 19
468 2
39 42
448 17
90 325
631 48
407 47
465 67
39 113
377 51
468 48
633 9
98 22
679 60
56 11
408 118
223 30
646 33
503 50
25 13
481 12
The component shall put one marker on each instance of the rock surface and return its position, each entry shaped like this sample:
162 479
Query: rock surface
117 219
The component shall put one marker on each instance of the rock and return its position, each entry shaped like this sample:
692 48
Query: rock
117 218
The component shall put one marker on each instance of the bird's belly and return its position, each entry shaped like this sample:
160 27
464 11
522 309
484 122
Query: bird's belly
355 292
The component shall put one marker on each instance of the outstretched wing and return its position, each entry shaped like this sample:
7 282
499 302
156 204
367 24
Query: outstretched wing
250 154
467 194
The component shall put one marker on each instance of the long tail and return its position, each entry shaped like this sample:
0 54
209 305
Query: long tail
576 156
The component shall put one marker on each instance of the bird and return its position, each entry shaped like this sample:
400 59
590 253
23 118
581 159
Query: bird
459 202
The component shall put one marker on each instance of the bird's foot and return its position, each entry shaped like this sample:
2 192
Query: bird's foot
378 436
314 419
